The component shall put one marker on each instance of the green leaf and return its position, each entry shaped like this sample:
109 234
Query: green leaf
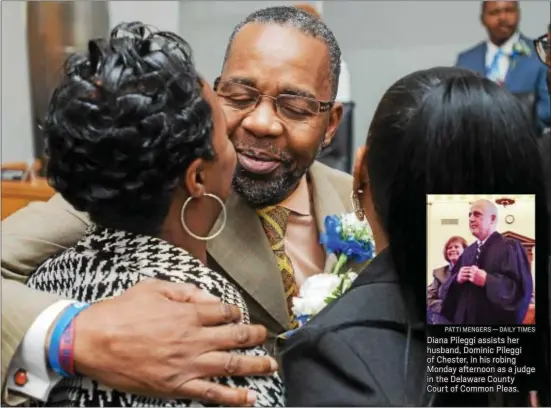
330 298
340 263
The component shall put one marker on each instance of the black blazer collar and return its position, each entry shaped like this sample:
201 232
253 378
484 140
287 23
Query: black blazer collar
494 237
380 269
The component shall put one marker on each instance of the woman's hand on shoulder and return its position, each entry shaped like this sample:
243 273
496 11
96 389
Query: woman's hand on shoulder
162 339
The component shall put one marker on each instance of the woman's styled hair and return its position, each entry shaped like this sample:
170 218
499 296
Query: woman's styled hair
123 126
456 238
449 131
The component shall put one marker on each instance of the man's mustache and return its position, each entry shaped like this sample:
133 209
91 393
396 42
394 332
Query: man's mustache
281 155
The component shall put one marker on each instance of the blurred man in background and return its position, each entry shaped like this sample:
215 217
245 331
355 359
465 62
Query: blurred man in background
510 59
544 53
541 44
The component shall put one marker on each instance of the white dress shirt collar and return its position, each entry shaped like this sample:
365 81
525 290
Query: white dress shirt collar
506 47
484 241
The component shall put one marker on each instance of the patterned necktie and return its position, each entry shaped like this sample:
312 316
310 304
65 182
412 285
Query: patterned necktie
478 250
493 72
274 220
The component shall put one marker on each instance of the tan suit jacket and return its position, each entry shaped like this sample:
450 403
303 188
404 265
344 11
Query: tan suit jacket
440 276
241 252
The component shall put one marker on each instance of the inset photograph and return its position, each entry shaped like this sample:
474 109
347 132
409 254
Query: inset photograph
481 259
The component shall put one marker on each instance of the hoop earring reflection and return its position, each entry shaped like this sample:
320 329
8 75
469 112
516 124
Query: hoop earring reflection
208 237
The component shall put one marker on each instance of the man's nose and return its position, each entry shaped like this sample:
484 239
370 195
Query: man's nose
263 120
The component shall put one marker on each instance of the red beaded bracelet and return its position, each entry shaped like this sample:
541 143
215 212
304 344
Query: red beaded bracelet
66 350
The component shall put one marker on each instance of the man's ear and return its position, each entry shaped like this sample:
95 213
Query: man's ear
361 179
193 181
335 116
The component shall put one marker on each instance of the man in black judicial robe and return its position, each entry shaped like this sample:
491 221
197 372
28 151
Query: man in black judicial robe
491 283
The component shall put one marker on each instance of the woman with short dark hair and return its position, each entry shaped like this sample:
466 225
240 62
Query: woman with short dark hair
138 141
437 131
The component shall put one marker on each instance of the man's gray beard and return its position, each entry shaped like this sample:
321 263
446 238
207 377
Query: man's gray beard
263 193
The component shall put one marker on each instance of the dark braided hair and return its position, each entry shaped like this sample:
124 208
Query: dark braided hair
123 126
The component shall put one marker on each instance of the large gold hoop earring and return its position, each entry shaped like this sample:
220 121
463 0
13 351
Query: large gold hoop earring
356 204
208 237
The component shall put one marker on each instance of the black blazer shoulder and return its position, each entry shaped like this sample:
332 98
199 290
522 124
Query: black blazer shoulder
360 350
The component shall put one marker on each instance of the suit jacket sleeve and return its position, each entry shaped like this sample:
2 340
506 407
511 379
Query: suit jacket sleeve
543 103
36 232
327 373
434 302
20 307
29 237
460 62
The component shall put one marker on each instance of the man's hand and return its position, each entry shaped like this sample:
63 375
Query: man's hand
162 339
464 274
534 401
477 276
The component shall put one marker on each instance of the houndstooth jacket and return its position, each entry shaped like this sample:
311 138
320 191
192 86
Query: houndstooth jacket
107 262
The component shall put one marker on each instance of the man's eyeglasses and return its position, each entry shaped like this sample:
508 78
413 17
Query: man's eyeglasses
246 98
542 49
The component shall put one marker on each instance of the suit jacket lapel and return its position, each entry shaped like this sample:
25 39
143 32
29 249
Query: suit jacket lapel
326 202
243 251
514 73
479 62
441 273
517 65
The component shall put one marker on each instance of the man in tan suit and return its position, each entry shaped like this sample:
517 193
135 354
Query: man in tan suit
278 86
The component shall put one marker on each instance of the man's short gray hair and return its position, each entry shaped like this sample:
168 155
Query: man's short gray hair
304 22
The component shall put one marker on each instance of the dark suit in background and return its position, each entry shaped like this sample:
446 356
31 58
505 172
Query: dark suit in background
526 74
505 297
356 351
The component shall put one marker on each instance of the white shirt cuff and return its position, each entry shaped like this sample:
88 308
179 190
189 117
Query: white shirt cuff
31 356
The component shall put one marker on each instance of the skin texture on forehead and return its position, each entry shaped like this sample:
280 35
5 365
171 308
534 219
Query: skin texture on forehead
485 206
275 56
482 211
276 60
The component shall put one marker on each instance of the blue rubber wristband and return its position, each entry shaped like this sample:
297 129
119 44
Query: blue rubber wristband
61 325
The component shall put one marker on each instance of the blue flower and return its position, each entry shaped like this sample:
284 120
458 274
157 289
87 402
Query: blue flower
331 239
347 236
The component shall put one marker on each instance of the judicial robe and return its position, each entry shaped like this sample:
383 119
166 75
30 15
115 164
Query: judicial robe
505 297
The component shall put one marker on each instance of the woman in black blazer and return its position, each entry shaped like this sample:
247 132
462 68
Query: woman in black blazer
442 130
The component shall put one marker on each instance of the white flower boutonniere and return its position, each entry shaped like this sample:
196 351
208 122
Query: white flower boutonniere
520 49
318 291
347 238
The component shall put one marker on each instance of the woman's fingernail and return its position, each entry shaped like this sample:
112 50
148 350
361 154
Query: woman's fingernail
273 364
